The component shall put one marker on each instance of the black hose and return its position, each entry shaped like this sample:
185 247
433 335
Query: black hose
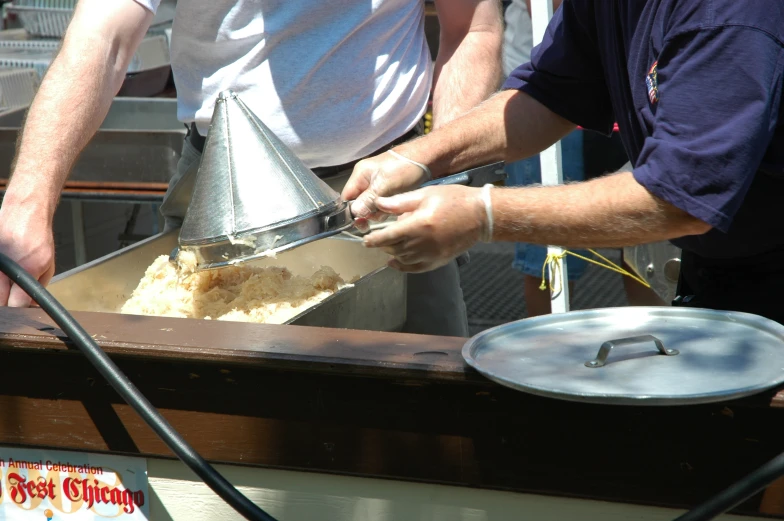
738 492
130 393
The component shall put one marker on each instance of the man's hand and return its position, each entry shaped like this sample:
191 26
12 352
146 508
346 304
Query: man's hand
381 176
435 225
25 237
72 101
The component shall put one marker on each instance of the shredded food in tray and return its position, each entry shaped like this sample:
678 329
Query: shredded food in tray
240 293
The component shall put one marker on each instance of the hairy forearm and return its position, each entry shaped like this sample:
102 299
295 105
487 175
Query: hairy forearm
468 65
71 103
466 73
73 99
509 126
612 211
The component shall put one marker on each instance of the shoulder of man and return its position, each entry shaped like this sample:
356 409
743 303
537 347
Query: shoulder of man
681 16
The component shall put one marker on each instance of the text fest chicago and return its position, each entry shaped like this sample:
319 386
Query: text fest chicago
76 490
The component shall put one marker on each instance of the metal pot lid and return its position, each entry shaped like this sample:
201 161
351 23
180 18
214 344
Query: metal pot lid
634 355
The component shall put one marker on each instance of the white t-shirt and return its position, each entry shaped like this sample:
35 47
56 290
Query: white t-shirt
518 36
335 80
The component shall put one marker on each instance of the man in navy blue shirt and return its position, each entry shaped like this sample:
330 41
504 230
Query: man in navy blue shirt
695 86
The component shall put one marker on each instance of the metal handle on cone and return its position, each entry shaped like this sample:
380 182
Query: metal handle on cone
479 176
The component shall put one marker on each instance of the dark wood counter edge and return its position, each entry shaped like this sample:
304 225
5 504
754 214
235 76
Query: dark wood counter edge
361 353
329 351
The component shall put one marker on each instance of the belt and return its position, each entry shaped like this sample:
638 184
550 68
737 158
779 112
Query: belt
197 140
194 138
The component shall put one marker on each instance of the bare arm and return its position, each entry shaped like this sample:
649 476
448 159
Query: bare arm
74 97
611 211
468 65
444 221
509 126
70 105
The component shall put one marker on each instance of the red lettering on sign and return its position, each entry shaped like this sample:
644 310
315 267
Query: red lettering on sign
16 482
71 489
21 489
76 489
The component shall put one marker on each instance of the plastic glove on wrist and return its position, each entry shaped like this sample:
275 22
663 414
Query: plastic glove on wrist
383 175
436 224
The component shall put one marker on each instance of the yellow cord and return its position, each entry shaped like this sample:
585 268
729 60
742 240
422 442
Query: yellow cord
554 261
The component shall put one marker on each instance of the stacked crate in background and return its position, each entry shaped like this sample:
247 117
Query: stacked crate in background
33 47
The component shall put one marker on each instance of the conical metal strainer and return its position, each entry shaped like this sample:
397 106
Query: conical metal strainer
252 196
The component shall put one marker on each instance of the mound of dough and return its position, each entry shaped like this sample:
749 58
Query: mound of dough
240 293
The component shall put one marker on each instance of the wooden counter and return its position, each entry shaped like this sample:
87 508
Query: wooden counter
371 404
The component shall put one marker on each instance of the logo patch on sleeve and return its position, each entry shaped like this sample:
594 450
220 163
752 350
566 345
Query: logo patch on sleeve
652 82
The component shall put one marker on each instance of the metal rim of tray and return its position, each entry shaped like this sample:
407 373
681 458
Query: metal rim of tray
225 252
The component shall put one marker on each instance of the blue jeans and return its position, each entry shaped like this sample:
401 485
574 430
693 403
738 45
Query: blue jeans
529 258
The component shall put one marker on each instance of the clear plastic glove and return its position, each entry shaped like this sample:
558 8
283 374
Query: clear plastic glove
383 175
26 237
435 225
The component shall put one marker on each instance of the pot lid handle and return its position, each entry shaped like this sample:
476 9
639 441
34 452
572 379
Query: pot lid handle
604 350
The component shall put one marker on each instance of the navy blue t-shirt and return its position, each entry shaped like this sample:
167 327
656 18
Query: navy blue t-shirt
695 86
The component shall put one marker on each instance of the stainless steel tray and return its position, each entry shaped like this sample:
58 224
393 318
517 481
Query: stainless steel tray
139 142
377 301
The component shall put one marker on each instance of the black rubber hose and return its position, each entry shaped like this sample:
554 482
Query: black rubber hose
130 393
738 492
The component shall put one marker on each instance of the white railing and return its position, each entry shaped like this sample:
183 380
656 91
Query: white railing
552 171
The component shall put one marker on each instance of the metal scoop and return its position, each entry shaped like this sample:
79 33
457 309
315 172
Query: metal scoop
254 198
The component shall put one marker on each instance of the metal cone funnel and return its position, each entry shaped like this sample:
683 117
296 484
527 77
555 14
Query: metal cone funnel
252 196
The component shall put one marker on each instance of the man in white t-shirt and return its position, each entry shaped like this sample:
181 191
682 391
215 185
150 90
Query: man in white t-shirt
518 34
337 81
